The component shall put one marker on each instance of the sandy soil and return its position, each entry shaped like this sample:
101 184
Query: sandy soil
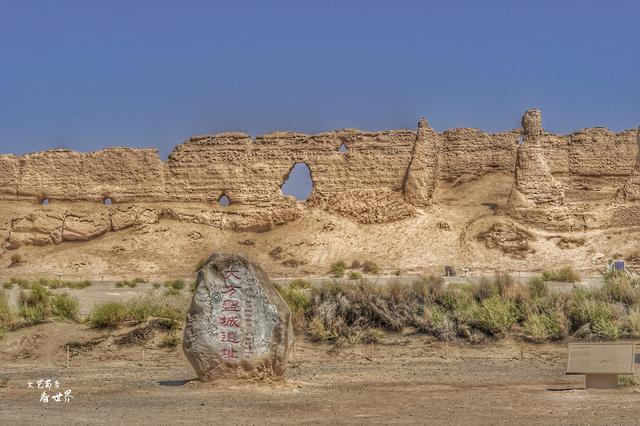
404 379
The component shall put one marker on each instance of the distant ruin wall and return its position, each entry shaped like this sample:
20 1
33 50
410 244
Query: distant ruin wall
250 172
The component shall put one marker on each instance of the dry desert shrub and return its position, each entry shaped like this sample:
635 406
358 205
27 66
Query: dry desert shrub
565 274
344 311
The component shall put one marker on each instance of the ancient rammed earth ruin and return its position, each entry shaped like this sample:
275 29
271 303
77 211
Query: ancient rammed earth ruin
587 180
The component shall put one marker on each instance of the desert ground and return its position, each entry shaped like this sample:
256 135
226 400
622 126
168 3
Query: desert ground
405 379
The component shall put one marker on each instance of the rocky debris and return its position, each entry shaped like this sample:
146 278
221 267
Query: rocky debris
370 206
509 238
38 228
85 228
125 217
53 225
534 183
238 325
422 173
570 243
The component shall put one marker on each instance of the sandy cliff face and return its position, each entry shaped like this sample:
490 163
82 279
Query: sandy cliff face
588 180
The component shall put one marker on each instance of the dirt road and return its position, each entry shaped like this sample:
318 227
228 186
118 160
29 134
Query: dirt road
404 379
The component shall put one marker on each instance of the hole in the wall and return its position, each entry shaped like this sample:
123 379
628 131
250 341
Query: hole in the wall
45 202
224 201
298 182
107 201
343 148
520 139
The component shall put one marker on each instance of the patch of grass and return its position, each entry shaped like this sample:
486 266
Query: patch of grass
170 341
7 285
598 316
300 284
565 274
65 307
540 328
156 286
127 283
77 284
108 315
32 315
625 381
338 268
175 284
496 315
355 275
172 292
8 317
537 288
620 288
22 282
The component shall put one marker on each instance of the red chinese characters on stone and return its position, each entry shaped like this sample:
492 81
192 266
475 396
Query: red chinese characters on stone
226 321
230 305
231 273
229 336
228 353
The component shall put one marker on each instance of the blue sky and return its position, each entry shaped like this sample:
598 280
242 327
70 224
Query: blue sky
90 74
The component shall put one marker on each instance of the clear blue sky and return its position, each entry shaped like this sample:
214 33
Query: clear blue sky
89 74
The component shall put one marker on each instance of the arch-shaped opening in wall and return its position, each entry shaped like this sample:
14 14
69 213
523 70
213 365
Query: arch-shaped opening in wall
107 201
224 201
298 182
343 148
45 202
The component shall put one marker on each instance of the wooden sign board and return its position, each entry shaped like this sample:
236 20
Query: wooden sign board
601 358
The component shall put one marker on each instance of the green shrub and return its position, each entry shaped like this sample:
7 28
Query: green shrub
22 282
156 286
428 289
537 288
619 288
495 315
7 285
355 275
631 323
33 314
139 280
565 274
51 283
110 314
127 283
77 284
338 268
175 284
540 328
37 295
300 284
64 307
8 317
600 316
146 305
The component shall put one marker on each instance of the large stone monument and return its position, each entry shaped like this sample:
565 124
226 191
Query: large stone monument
237 325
